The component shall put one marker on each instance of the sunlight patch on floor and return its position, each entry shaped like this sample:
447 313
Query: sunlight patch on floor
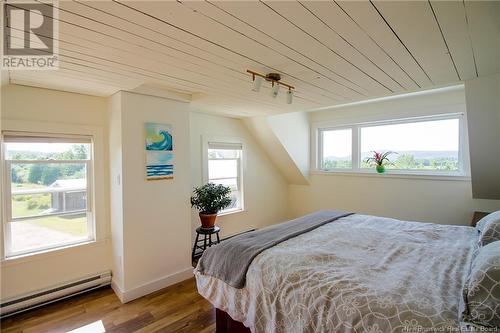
95 327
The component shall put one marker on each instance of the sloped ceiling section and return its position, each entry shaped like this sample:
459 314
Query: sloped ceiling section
285 161
293 132
333 52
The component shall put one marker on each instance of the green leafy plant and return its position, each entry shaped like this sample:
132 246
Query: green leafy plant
379 158
211 198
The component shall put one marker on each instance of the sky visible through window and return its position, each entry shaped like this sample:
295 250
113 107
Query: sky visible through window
40 147
337 143
430 144
439 135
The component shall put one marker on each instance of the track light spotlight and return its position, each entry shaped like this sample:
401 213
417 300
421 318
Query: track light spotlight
257 82
289 96
275 89
274 79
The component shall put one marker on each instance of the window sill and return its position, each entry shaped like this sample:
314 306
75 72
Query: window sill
231 212
43 254
393 174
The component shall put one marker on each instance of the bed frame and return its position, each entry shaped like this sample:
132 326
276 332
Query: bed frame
225 324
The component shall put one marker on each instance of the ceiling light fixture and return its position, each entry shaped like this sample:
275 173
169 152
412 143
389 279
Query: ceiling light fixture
289 96
257 82
275 90
274 78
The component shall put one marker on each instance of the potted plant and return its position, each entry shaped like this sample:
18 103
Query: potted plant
379 159
209 199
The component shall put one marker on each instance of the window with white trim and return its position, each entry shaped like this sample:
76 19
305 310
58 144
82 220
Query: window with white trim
224 166
430 145
336 150
48 192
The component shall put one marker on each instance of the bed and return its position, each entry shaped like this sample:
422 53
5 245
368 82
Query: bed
358 273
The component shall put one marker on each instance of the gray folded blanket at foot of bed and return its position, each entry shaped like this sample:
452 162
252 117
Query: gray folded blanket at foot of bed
229 260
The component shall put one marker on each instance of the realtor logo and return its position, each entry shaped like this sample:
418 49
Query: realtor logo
29 35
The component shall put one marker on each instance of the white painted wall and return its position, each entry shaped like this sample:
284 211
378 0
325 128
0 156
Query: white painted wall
116 189
483 117
155 215
265 189
151 228
447 202
42 109
152 221
445 100
292 129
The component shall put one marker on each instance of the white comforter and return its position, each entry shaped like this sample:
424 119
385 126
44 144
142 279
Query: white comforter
357 274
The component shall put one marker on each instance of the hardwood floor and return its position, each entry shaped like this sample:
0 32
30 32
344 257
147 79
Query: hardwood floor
178 308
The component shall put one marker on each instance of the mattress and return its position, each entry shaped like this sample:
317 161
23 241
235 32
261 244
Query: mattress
358 274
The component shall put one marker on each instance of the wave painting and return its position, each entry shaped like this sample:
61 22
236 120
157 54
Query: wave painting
160 171
159 151
158 137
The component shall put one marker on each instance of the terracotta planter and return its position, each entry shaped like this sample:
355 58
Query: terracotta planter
207 220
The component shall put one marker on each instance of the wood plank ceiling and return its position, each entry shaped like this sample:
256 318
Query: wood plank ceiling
332 51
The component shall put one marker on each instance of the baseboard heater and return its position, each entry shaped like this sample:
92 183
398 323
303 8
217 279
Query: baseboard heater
49 295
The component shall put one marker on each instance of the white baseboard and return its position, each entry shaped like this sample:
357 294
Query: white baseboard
148 288
118 291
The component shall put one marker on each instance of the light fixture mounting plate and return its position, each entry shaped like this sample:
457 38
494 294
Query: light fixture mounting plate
273 77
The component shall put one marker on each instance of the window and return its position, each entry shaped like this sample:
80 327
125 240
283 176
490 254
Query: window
48 192
225 167
336 150
427 145
424 145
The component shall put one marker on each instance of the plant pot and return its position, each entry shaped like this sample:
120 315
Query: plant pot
380 168
207 220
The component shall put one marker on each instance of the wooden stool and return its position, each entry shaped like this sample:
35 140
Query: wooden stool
207 240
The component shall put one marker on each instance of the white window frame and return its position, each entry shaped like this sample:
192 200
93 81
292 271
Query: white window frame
206 140
316 158
319 136
7 197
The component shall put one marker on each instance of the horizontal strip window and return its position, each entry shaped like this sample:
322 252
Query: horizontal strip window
425 145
